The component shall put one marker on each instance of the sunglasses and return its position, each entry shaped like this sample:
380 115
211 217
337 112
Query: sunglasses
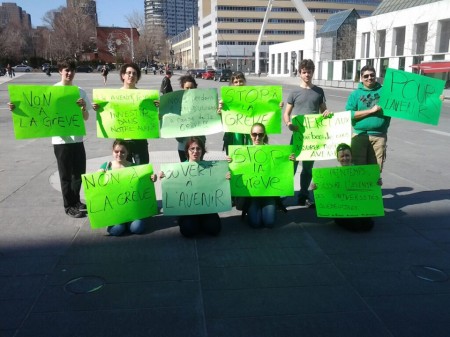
372 75
260 135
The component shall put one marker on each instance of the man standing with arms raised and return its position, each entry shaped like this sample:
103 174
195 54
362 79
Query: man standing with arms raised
308 99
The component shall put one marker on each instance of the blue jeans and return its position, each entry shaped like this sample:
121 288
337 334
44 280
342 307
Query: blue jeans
305 177
135 227
261 212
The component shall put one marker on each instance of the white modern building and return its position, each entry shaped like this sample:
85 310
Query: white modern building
401 34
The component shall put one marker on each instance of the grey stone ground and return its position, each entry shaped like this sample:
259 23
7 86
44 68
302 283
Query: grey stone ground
305 277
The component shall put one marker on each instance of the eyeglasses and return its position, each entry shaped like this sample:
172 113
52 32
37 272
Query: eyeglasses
193 149
260 135
129 73
372 75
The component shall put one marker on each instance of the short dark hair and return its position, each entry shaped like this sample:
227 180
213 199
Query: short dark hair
343 147
200 143
120 142
66 64
238 75
187 78
123 70
368 67
307 64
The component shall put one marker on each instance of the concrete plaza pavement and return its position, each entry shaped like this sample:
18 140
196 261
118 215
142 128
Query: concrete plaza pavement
305 277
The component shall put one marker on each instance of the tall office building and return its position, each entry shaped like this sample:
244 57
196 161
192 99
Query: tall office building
89 7
229 29
11 14
174 15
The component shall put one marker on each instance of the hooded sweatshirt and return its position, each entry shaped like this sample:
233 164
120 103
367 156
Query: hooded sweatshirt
363 99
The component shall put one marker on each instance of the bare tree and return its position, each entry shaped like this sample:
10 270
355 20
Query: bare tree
73 32
152 38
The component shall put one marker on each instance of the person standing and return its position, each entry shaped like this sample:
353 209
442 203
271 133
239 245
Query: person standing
105 72
308 99
166 86
69 151
187 82
130 74
369 124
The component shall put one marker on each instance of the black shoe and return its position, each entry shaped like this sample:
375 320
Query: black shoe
311 205
81 206
302 200
74 212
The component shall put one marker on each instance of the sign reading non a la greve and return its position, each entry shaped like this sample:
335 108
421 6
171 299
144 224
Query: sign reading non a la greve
45 111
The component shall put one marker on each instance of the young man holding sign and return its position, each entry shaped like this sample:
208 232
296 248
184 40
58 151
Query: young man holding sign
369 124
69 150
309 99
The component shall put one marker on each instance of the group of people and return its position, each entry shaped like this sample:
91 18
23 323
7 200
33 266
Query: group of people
368 144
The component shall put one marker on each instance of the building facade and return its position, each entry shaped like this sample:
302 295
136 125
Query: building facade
174 15
400 35
11 14
229 29
88 7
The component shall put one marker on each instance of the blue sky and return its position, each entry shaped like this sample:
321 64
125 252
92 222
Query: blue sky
109 12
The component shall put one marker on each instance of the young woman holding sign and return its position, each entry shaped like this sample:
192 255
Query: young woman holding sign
191 225
261 211
120 154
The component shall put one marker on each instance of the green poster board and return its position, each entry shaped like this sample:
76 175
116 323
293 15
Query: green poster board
127 113
118 196
348 191
188 113
46 111
243 106
195 188
317 137
261 170
410 96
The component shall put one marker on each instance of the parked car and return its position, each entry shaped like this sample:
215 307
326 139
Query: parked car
198 73
208 75
22 68
84 69
222 75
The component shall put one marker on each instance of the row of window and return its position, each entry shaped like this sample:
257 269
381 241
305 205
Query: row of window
244 43
257 20
257 31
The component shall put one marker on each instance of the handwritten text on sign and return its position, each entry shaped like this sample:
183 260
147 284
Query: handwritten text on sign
118 196
246 105
348 191
261 170
127 113
46 111
188 113
195 188
317 137
411 96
